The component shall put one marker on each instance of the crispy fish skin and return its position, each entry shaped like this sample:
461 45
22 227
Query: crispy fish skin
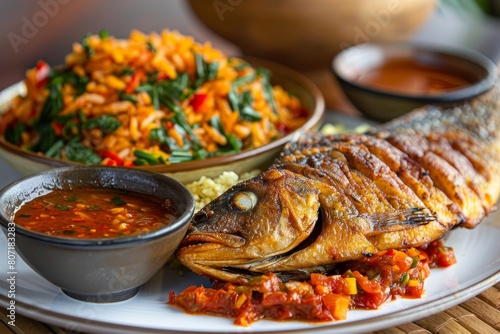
329 199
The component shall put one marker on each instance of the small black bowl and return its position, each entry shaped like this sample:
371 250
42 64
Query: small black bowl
96 270
383 104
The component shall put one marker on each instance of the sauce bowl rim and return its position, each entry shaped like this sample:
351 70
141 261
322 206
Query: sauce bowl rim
465 54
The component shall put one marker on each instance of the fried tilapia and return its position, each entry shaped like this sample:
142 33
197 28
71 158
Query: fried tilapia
330 199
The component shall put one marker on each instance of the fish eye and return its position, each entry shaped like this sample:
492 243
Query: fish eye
244 201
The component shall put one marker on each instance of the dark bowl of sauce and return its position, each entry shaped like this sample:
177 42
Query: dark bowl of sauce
98 233
384 81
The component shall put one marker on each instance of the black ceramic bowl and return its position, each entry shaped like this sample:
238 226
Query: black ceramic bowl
97 270
383 104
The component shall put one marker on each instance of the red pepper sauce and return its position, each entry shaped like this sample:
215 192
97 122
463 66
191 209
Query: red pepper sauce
365 283
89 213
408 76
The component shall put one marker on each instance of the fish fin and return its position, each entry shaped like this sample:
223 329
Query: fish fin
391 221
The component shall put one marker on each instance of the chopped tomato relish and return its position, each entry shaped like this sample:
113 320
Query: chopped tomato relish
365 283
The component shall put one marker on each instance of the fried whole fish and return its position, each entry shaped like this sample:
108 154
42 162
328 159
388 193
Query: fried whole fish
330 199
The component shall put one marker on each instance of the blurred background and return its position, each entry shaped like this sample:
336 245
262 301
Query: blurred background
303 35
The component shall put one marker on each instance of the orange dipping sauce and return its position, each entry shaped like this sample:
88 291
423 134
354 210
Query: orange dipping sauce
85 213
408 76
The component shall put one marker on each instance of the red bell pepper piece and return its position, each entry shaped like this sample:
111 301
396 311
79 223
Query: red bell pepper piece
197 101
300 112
58 128
128 163
135 81
282 128
169 125
112 157
42 73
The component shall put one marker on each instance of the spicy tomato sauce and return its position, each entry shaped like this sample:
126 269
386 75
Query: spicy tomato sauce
409 76
365 283
94 213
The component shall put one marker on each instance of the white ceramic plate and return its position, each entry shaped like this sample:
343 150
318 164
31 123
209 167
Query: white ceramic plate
477 269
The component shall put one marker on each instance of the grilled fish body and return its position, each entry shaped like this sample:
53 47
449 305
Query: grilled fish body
329 199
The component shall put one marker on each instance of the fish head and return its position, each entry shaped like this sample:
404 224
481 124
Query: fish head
253 221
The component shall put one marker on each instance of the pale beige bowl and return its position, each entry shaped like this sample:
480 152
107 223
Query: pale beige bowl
27 162
307 34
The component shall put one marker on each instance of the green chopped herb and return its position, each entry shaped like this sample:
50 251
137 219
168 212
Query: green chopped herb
47 137
127 97
217 125
72 198
372 275
248 113
173 106
106 123
233 99
244 80
117 200
150 158
55 150
235 143
103 34
159 135
404 279
69 232
243 103
180 156
414 262
204 71
62 207
64 118
70 129
78 152
268 88
241 66
86 46
140 162
23 215
174 90
199 154
151 47
13 134
81 116
200 65
93 208
127 71
349 273
181 121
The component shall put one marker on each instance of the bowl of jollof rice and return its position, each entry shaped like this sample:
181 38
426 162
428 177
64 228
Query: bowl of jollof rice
158 101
